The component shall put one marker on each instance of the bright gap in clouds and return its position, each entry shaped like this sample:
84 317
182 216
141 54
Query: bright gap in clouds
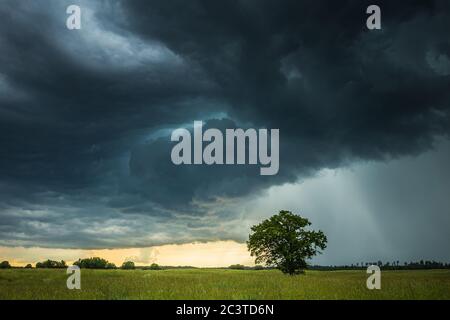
209 254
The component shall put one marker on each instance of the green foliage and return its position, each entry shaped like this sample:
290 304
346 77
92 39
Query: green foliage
237 267
5 265
282 241
94 263
128 265
51 264
154 266
258 267
28 266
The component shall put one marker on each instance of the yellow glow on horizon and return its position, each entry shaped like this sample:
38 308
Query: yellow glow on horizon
208 254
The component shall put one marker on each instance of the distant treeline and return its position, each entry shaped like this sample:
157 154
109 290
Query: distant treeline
92 263
394 265
99 263
89 263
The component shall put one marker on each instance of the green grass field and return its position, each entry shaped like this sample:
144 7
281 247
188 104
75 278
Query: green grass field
222 284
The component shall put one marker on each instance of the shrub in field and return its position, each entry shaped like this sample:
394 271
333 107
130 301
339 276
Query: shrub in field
5 265
51 264
284 242
128 265
28 266
237 267
258 267
94 263
154 266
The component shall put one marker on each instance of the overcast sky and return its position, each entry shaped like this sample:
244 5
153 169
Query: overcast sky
86 117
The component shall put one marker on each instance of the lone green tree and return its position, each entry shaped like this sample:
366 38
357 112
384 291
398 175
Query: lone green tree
155 266
282 241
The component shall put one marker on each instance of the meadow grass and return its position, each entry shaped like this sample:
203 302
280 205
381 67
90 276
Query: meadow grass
222 284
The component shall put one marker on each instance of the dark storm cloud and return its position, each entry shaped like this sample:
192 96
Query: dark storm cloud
176 186
337 91
85 116
74 115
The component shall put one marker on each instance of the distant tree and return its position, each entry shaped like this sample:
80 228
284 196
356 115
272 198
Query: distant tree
94 263
128 265
110 265
283 241
51 264
237 267
258 267
155 266
5 265
28 266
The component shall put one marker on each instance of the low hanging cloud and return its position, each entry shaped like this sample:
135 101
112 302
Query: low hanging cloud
86 115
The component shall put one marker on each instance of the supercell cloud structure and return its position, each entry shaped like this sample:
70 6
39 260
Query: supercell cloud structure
86 115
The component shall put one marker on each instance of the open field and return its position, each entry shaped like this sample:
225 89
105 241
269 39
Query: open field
222 284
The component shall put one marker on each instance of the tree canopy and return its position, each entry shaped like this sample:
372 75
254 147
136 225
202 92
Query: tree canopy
51 264
282 241
94 263
128 265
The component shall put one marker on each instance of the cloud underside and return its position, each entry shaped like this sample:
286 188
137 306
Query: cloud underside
86 116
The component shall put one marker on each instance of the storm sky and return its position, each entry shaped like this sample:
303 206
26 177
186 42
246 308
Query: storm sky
86 117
